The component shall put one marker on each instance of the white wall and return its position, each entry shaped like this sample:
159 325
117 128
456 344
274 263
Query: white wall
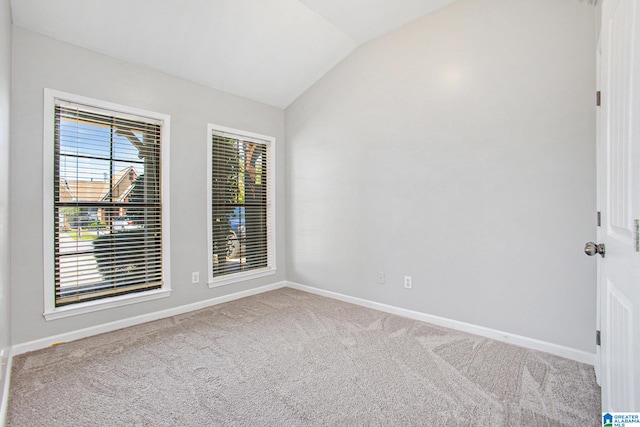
41 62
5 118
459 150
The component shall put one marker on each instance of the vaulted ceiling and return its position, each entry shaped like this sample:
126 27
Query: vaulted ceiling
270 51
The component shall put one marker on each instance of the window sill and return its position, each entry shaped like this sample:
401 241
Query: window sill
240 277
104 304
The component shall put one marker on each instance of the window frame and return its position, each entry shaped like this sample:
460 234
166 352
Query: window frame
270 143
51 312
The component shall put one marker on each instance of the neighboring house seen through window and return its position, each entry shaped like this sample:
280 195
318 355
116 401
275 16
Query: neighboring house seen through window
241 209
107 213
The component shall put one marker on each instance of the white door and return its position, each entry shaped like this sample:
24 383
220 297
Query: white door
619 203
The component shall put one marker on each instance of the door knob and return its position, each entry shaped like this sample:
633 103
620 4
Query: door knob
592 248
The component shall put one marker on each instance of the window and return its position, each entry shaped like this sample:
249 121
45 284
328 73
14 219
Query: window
105 219
240 205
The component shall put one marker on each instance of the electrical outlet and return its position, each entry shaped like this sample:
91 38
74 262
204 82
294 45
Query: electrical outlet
195 277
407 282
381 278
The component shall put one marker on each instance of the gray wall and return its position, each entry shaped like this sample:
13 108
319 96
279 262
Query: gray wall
41 62
459 150
5 118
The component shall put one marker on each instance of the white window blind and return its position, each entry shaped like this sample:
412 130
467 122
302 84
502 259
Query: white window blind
107 203
241 209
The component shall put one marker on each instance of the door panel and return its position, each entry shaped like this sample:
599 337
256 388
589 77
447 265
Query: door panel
618 350
618 97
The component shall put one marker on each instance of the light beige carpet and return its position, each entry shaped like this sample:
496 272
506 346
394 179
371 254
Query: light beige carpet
289 358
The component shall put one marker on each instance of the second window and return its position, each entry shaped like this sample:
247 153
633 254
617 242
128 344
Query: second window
240 209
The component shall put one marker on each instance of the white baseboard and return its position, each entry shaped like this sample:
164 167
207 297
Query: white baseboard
531 343
558 350
131 321
4 391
